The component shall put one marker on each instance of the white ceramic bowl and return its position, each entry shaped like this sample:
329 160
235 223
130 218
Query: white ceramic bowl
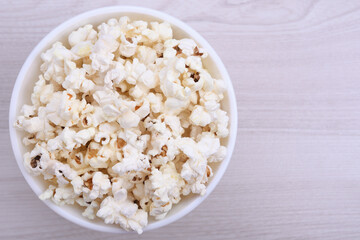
29 74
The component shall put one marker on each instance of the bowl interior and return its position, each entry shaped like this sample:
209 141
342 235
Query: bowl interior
29 75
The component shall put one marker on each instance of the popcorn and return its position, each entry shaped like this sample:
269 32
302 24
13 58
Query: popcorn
146 55
64 109
102 54
193 169
91 208
30 125
200 117
90 211
124 213
218 156
115 75
128 119
134 70
151 35
163 30
66 140
208 81
57 63
187 46
82 49
127 46
42 92
133 160
77 81
148 79
64 195
83 34
166 184
180 65
169 122
119 191
156 102
48 193
136 27
97 156
144 110
125 122
134 138
99 185
85 135
194 63
102 138
222 123
171 49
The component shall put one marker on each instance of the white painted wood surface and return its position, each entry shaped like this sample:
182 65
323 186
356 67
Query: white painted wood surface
295 173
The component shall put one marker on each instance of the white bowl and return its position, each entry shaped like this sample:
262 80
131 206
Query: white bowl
29 74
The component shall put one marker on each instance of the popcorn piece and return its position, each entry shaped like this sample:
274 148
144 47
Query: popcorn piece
91 209
137 27
86 33
208 144
118 190
97 156
48 193
219 155
128 119
148 79
133 161
208 80
64 175
166 184
134 138
77 81
187 46
42 92
127 46
180 65
64 195
38 160
221 122
151 35
99 185
124 213
85 135
134 70
82 49
38 126
64 108
57 63
160 134
66 140
144 110
102 137
174 124
102 54
30 125
193 169
163 30
200 117
156 103
115 75
146 55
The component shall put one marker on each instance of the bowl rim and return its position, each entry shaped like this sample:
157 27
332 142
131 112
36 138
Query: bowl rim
138 10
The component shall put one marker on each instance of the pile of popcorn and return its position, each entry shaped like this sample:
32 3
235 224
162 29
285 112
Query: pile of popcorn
124 121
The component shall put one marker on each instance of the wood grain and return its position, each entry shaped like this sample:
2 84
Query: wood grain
295 173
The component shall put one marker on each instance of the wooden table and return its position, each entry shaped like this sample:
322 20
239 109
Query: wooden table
295 172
